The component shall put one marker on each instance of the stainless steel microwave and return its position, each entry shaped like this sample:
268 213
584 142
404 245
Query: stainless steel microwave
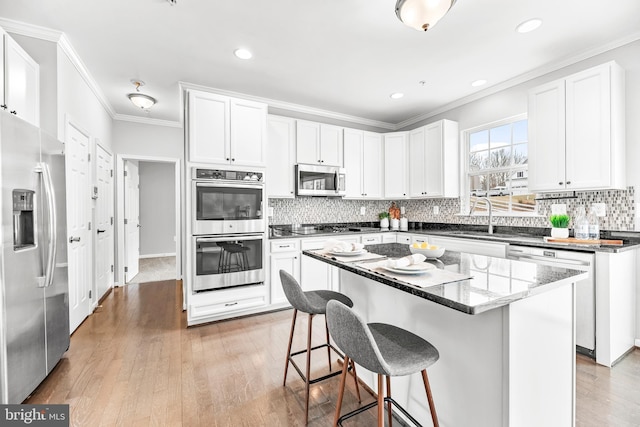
314 180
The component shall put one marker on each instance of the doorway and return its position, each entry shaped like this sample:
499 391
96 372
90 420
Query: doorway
149 213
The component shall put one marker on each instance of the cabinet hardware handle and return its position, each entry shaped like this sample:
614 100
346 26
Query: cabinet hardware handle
229 304
3 106
227 159
560 183
321 161
74 239
233 160
14 112
568 182
295 257
101 231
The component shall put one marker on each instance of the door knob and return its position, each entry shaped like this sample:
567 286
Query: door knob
74 239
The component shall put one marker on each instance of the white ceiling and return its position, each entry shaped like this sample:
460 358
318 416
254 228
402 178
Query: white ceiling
341 56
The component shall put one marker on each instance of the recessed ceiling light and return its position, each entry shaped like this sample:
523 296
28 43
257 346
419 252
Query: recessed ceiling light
479 83
396 95
529 25
242 53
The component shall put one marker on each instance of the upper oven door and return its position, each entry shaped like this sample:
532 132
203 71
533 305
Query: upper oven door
222 208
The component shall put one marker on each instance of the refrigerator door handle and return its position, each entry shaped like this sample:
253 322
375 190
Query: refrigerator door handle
50 196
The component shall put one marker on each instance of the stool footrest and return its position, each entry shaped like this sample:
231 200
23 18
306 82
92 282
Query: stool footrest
373 405
324 377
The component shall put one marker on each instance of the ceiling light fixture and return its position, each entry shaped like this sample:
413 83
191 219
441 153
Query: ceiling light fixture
141 100
396 95
479 83
529 25
243 53
422 14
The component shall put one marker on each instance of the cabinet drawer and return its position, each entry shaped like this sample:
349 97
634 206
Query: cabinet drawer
371 240
403 238
311 244
285 246
419 239
389 238
227 304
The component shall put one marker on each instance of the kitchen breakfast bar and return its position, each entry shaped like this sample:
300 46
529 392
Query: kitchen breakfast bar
505 331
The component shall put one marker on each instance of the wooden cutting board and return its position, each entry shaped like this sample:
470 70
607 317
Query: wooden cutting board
582 242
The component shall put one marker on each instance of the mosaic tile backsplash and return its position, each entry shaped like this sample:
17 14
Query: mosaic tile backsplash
316 210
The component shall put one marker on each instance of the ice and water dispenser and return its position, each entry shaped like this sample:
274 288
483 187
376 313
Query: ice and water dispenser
23 219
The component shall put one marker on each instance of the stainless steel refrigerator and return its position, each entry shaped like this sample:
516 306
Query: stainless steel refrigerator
34 291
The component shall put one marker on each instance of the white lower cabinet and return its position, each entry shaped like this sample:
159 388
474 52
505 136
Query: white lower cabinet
316 274
222 304
285 255
403 238
389 238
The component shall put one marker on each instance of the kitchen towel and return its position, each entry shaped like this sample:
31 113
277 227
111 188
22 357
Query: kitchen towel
335 246
366 256
429 278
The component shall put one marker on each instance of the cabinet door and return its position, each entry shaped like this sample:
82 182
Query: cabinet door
353 142
372 166
22 82
307 142
547 137
434 159
417 164
280 156
208 132
248 129
395 165
314 274
331 145
588 129
289 262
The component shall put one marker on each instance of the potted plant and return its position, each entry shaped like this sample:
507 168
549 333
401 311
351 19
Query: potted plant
560 225
384 219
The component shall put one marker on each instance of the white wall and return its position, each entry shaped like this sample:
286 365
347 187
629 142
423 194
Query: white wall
140 139
157 208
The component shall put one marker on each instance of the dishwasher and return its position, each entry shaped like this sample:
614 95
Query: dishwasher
585 289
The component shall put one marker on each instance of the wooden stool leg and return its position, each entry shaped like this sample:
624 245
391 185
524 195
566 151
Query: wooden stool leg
355 378
286 364
390 412
326 326
432 406
306 410
343 380
380 402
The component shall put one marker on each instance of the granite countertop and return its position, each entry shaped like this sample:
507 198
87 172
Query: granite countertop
495 282
524 236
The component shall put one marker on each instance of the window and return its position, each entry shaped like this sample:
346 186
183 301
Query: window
497 166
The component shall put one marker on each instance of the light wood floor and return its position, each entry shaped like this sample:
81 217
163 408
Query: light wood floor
134 363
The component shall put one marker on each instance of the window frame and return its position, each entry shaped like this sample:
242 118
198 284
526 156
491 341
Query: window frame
465 196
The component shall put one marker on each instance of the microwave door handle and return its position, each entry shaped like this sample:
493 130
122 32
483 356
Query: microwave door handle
335 181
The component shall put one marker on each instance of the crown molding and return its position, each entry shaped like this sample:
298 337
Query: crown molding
147 120
30 30
292 107
522 78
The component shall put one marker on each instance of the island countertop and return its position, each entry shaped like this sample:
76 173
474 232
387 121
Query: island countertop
494 282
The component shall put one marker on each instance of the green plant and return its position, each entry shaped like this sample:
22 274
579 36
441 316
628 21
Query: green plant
560 221
383 215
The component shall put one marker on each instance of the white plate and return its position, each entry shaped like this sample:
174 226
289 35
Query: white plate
421 268
352 253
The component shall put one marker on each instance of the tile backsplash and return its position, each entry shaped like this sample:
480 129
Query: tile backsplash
620 205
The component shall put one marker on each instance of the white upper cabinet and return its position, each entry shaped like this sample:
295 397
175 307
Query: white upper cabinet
318 143
395 165
433 160
576 131
281 156
225 130
20 92
363 163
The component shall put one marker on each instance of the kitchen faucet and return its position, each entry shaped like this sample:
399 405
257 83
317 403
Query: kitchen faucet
490 211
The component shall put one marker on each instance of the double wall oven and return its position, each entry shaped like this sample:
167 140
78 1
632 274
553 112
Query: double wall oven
228 228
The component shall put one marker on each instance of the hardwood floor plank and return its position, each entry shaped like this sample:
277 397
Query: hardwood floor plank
134 362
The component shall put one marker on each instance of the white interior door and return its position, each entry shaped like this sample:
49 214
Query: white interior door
78 214
104 256
131 219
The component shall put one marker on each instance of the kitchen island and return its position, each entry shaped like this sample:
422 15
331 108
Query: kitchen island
506 335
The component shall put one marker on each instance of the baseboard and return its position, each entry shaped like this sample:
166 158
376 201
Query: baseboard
156 255
638 343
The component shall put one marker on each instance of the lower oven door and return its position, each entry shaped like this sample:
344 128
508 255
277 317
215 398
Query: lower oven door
225 261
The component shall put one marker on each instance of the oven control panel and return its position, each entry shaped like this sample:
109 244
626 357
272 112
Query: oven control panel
227 175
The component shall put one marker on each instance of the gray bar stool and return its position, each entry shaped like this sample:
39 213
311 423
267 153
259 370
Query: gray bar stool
383 349
311 302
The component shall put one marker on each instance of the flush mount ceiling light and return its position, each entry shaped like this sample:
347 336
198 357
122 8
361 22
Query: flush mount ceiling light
396 95
242 53
422 14
141 100
529 25
479 83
